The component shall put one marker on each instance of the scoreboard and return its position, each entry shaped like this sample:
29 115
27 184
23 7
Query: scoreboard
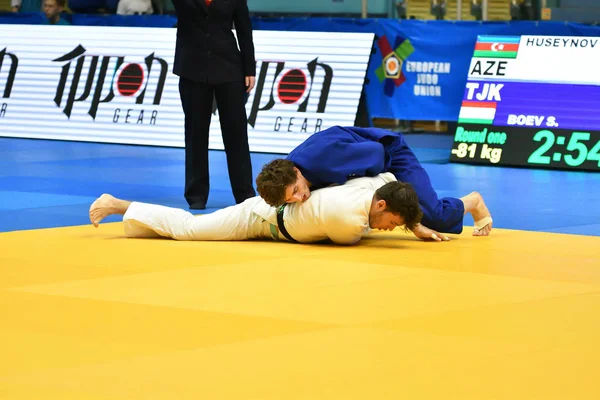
531 101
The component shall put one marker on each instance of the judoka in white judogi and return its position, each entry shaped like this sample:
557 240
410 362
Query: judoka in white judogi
339 213
342 214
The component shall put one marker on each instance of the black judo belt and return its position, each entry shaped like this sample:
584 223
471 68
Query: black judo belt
281 226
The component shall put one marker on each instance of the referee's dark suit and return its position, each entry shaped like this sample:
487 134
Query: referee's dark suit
208 62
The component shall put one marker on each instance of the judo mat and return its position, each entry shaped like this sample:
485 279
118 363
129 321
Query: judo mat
89 314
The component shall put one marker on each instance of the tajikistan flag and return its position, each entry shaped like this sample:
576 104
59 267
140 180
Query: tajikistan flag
477 112
497 46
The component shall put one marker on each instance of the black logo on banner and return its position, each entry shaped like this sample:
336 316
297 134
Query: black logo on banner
290 87
129 79
10 79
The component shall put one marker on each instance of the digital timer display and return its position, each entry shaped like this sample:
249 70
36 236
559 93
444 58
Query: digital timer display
554 148
531 101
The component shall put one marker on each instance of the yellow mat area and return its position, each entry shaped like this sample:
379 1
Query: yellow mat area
88 314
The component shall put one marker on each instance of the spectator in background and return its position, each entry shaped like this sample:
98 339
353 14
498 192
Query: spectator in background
521 10
26 6
401 9
477 10
52 9
527 12
135 7
438 9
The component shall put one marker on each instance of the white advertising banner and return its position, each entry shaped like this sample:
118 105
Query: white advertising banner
558 59
115 85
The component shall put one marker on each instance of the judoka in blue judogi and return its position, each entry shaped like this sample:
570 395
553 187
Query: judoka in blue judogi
337 154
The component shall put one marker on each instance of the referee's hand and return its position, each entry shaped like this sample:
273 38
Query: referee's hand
250 81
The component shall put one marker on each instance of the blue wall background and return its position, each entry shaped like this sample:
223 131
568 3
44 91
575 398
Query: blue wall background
378 7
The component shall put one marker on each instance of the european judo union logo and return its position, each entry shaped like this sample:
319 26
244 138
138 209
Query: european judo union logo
390 70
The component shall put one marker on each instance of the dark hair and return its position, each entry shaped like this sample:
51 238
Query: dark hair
401 199
274 178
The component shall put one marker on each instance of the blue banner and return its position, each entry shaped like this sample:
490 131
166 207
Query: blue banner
419 68
434 60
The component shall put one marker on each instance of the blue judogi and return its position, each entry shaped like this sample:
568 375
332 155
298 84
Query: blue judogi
337 154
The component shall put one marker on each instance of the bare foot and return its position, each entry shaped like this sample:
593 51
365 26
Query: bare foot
104 206
481 216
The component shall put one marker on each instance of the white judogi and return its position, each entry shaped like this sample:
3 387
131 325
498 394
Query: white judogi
339 213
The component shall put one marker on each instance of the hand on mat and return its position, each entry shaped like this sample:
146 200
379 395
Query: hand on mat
425 233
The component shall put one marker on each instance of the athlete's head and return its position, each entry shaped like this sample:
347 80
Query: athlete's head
281 182
395 204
